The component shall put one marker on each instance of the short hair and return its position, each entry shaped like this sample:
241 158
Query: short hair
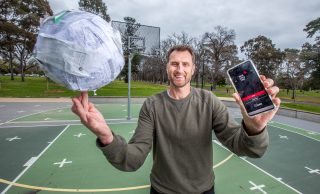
182 48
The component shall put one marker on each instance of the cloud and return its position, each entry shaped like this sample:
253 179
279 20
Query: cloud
280 20
59 5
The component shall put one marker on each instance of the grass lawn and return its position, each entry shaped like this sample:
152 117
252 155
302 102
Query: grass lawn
35 87
120 88
304 107
302 96
39 87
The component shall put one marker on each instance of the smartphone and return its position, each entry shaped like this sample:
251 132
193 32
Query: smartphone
246 80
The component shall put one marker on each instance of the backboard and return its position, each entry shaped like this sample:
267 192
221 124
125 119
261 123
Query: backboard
145 39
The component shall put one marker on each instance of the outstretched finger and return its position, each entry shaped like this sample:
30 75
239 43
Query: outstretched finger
85 100
78 109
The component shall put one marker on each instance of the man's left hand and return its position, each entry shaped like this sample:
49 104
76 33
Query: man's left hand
255 124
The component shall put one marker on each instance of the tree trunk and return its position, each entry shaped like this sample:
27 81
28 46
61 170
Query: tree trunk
198 73
293 94
161 77
197 78
22 76
22 68
47 83
11 66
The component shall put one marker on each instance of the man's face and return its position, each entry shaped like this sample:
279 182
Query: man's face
180 68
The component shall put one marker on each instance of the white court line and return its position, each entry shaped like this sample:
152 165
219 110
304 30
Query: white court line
296 127
30 161
288 129
34 114
52 121
79 124
57 125
294 132
61 164
257 187
19 176
311 171
43 121
277 179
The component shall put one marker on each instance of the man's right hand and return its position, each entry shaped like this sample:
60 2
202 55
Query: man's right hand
92 118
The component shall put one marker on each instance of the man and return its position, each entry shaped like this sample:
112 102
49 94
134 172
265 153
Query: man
178 124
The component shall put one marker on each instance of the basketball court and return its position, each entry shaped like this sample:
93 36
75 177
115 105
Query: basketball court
51 152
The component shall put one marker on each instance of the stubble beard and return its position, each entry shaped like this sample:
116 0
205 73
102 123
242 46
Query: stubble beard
172 83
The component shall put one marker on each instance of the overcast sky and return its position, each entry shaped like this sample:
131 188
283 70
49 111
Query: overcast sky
280 20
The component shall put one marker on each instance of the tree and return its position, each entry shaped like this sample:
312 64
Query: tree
294 70
266 57
130 30
312 27
96 7
173 40
8 31
135 62
31 12
151 69
200 58
311 53
220 44
180 39
20 20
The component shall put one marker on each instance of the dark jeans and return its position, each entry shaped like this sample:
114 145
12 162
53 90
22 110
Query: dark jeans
210 191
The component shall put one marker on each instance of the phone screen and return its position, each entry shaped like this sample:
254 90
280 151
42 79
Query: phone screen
251 90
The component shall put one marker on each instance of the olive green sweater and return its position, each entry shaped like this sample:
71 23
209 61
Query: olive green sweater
180 132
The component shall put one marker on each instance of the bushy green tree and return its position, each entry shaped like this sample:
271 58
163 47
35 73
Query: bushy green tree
19 24
130 30
311 52
312 28
264 54
295 70
222 50
97 7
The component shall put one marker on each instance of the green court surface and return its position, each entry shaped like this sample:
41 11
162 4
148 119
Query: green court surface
65 159
110 111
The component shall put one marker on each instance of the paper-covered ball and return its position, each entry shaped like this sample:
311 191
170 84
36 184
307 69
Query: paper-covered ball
79 50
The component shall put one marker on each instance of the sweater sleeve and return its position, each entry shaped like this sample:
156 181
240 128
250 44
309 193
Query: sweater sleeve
233 136
130 156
